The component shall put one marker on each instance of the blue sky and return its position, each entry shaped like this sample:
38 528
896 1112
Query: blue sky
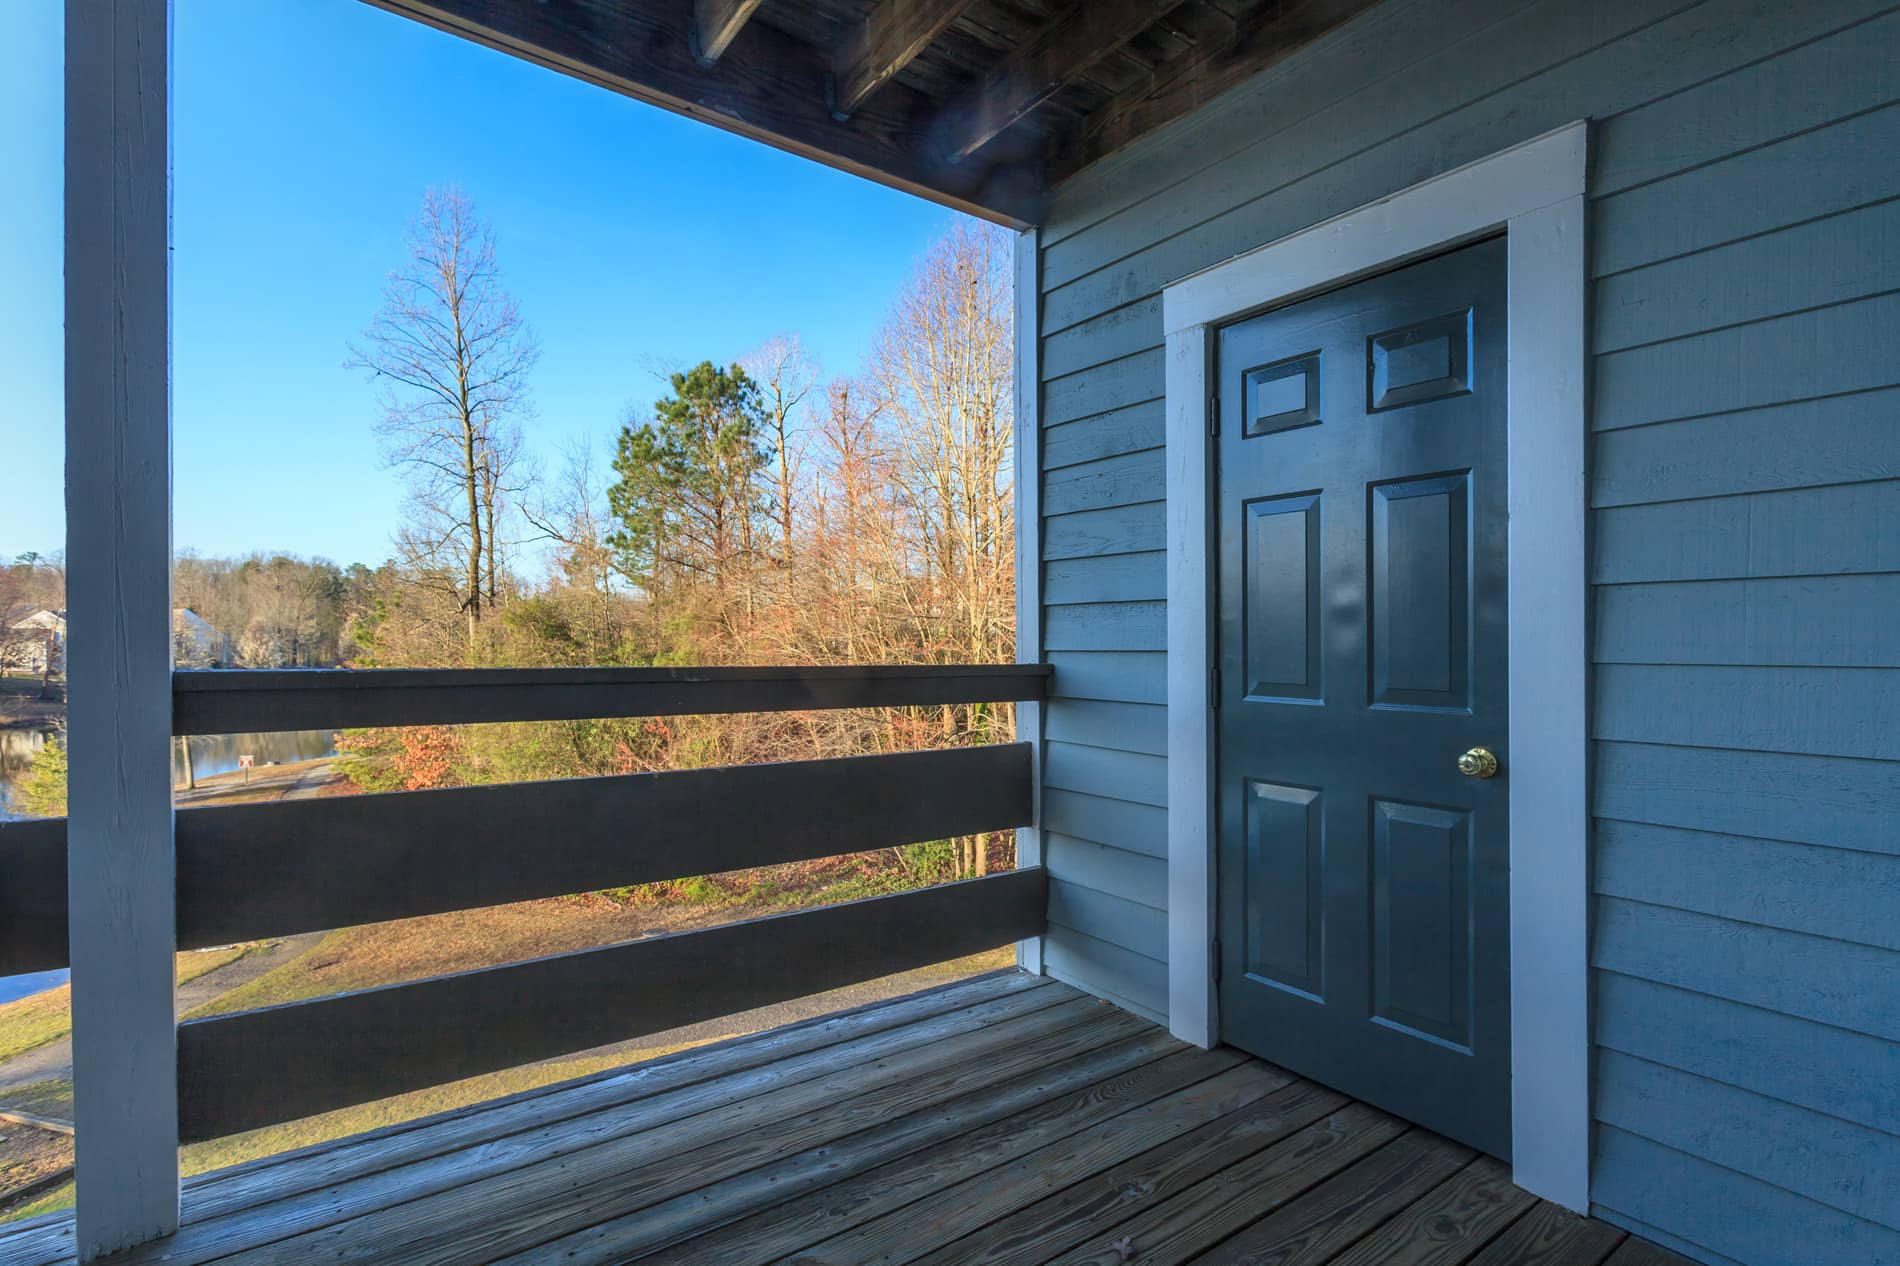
304 132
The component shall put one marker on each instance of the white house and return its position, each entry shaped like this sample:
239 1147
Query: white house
32 635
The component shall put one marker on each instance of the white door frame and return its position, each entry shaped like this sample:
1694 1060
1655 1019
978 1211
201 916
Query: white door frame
1534 193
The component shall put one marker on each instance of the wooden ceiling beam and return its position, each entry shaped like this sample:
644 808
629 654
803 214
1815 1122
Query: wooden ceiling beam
1062 52
766 85
1258 41
716 23
887 40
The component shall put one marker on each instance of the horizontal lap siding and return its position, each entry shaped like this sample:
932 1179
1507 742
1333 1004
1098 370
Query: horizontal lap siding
1744 479
1746 445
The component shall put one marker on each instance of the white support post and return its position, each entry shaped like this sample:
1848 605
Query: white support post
119 659
1029 543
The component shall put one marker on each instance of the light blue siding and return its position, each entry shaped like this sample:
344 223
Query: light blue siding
1744 479
1830 621
1833 440
1834 1071
1721 1215
1831 892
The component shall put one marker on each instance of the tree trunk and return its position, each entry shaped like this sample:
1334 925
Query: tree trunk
184 750
474 529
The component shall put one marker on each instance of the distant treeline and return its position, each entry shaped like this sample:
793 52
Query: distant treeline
269 611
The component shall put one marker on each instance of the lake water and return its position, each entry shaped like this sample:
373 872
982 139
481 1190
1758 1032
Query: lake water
12 987
210 753
218 753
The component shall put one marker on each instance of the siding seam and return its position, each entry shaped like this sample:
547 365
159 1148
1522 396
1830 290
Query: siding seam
1747 408
1741 1173
1749 923
1798 222
1744 150
1747 1090
1746 751
1759 839
1726 327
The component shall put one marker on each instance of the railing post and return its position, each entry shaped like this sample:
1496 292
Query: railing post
1028 334
118 531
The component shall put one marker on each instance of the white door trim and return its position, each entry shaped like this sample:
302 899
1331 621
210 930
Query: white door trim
1534 192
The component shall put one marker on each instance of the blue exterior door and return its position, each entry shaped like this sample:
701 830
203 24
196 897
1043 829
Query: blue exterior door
1363 917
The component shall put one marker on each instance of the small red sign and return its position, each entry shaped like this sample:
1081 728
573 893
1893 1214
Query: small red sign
244 762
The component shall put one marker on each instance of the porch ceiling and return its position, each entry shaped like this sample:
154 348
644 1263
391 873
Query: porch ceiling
983 105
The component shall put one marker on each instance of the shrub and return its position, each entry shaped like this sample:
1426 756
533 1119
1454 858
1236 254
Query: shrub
41 791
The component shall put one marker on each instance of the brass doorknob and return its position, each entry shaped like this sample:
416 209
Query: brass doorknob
1479 762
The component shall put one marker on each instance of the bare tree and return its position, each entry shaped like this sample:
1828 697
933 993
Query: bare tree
502 474
940 371
785 374
453 352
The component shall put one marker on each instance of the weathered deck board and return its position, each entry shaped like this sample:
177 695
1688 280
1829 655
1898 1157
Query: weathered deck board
1454 1220
919 1017
1001 1120
1071 1216
1550 1236
768 1234
1182 1228
1339 1210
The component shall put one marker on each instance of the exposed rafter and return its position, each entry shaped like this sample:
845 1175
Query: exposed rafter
880 46
1065 49
716 22
1211 68
768 86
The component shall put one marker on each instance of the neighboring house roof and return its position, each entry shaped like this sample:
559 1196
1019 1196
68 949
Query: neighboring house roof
23 617
204 636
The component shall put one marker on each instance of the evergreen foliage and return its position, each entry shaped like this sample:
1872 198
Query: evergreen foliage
41 791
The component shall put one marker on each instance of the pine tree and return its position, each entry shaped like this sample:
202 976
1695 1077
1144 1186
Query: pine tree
687 501
41 791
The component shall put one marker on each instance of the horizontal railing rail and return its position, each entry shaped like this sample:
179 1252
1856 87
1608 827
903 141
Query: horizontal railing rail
275 869
244 701
32 895
251 871
258 1068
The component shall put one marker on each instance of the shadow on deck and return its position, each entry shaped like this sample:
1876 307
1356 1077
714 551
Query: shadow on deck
1005 1119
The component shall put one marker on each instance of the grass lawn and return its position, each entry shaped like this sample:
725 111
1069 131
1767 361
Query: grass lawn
29 1154
20 702
57 1198
48 1016
50 1098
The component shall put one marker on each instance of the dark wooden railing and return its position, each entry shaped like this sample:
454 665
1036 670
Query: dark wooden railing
32 895
250 871
247 701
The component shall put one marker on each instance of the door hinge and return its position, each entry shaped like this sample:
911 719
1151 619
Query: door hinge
1213 687
1213 416
1215 951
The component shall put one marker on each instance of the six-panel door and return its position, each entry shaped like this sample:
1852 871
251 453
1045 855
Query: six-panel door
1362 538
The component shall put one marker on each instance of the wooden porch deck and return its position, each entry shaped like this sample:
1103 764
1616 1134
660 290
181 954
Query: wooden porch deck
1006 1119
